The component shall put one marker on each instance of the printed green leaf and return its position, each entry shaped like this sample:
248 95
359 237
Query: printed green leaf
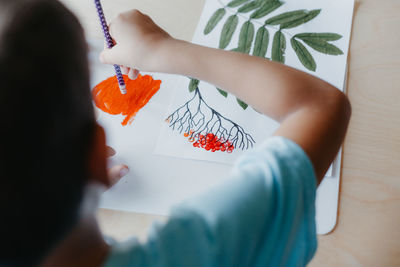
302 53
236 3
215 18
287 17
323 47
250 6
194 83
265 9
279 47
222 92
227 31
246 37
323 36
261 43
311 15
242 104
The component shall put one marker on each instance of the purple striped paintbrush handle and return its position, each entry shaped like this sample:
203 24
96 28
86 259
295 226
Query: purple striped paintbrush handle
110 44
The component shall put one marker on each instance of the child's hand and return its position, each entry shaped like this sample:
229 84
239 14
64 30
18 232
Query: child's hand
138 40
115 173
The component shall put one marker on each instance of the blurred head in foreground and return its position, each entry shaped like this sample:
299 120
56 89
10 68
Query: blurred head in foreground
47 127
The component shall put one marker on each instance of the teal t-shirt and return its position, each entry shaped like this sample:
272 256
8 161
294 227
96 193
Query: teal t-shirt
264 215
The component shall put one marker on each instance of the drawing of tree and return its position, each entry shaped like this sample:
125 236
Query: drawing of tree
197 120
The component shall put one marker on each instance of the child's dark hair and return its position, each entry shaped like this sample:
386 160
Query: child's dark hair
47 122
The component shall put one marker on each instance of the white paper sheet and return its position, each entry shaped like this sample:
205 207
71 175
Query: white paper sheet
157 182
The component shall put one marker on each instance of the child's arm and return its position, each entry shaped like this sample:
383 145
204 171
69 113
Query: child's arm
312 113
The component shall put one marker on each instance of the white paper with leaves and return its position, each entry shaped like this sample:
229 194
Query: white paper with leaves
310 35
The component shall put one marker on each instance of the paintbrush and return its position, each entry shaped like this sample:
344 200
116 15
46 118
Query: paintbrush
110 44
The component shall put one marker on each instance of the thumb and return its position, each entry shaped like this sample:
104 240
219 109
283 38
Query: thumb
109 56
116 173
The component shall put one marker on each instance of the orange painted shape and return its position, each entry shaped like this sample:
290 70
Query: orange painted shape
109 99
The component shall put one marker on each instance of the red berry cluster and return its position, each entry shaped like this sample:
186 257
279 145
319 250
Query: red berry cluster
210 142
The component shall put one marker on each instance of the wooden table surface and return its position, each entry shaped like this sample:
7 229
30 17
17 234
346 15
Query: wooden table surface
368 229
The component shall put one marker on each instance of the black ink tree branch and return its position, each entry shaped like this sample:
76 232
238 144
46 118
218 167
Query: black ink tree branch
196 118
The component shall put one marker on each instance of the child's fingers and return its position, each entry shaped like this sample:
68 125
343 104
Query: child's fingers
133 74
124 70
110 151
116 173
136 72
105 57
111 56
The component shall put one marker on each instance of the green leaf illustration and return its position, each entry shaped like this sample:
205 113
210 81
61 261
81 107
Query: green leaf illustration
257 9
323 47
302 53
194 83
287 17
222 92
215 18
265 9
279 47
323 36
236 3
242 104
250 6
261 43
227 31
311 15
246 37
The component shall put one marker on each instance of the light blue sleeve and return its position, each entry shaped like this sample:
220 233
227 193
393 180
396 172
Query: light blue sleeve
264 215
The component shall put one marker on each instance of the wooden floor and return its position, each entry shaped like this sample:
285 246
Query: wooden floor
368 230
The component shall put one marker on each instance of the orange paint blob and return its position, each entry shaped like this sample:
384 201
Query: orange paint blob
109 99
